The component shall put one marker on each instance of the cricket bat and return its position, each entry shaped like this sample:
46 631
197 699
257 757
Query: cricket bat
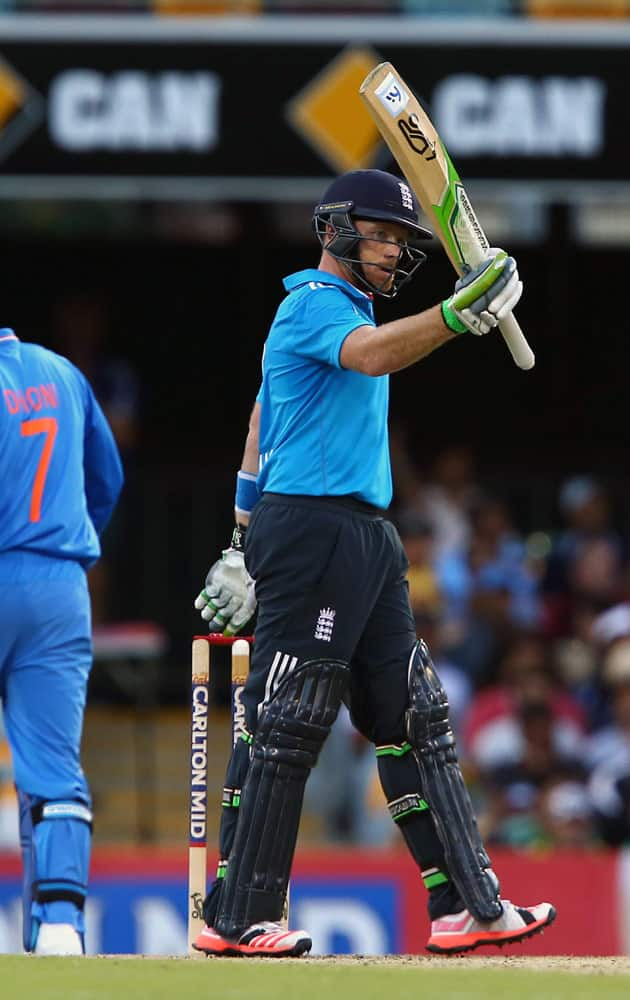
420 154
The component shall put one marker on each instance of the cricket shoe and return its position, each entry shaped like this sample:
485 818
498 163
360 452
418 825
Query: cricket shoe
460 932
265 939
58 939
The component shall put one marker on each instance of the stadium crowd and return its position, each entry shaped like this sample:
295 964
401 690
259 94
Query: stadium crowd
531 637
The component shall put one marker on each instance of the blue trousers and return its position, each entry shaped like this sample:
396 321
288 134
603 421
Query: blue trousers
45 659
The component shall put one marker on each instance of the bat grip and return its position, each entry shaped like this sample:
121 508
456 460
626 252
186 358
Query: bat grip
517 345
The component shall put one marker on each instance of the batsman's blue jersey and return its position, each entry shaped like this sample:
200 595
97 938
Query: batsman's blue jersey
60 472
323 428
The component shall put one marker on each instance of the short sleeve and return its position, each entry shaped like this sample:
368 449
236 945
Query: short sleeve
327 317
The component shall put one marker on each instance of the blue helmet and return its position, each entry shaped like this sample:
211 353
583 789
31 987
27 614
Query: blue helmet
369 194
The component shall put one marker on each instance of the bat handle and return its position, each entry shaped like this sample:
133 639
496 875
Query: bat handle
515 339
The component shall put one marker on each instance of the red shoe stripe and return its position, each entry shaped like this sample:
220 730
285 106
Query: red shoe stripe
278 937
265 943
270 939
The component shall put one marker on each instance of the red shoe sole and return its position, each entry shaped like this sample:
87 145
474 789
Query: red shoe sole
468 942
225 949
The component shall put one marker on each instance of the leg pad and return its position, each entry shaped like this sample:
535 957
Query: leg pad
429 732
291 731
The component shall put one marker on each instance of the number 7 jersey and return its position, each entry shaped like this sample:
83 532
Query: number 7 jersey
60 471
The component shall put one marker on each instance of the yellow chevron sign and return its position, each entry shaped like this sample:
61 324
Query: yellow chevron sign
329 114
21 108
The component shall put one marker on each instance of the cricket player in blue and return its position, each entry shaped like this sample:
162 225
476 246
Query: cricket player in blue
60 477
334 619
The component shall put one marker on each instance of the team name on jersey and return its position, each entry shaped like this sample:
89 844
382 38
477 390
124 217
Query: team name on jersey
32 399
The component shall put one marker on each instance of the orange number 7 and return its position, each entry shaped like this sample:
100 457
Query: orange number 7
47 426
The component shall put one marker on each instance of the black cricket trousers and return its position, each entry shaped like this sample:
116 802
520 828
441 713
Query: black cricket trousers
330 578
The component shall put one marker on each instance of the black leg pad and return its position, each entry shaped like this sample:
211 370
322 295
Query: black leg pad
291 731
430 734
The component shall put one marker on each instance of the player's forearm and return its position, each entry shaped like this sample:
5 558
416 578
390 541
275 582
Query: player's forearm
249 461
392 346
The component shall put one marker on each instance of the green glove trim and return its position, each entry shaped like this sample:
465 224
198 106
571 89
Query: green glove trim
472 289
451 319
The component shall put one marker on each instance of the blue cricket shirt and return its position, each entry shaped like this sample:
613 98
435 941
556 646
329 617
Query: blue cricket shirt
60 472
323 428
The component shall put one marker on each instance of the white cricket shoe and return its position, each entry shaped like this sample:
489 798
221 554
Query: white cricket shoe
58 939
458 932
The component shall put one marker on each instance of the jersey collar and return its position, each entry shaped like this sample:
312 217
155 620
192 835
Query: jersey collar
293 281
6 334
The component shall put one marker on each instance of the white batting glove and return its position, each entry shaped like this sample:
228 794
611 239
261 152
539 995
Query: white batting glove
484 295
228 600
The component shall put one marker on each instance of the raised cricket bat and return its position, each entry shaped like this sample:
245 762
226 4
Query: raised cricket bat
421 156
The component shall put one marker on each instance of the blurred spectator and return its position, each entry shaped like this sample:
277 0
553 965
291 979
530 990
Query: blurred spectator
425 594
612 624
566 816
455 681
447 500
586 561
488 588
504 588
576 662
427 603
524 810
495 730
609 749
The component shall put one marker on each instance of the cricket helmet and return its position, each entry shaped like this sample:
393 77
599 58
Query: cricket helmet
369 194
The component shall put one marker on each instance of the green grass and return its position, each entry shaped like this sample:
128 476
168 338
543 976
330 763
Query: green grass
28 978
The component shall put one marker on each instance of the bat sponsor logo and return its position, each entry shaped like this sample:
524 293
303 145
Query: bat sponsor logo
238 711
392 95
415 137
466 209
199 763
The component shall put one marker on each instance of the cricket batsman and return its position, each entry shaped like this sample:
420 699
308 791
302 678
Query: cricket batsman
334 619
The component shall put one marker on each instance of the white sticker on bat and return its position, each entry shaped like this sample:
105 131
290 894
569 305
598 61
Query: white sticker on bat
392 95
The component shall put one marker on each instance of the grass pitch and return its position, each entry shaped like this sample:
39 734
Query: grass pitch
352 978
356 978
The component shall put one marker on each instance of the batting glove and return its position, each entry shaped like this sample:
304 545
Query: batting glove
484 295
228 600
